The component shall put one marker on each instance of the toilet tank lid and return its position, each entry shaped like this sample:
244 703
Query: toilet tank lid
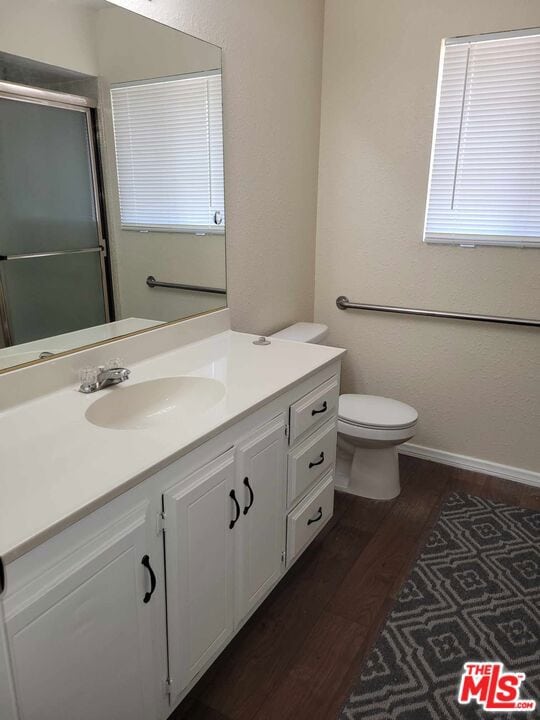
303 332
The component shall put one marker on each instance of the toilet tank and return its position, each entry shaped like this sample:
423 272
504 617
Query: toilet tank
303 332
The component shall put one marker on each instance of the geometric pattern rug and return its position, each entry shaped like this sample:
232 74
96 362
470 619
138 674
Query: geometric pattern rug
472 595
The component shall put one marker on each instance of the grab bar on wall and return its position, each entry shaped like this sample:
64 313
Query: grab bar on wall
344 303
153 283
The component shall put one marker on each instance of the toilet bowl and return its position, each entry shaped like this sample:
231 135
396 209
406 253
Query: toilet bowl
369 430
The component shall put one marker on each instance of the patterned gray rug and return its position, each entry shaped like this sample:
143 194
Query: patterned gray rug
473 595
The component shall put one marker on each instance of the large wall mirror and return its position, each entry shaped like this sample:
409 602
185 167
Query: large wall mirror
112 216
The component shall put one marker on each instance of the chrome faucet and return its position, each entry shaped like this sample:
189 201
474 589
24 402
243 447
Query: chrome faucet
94 379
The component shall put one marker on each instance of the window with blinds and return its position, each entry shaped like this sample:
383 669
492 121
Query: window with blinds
169 153
484 186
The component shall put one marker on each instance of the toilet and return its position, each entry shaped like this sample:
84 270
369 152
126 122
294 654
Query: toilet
369 430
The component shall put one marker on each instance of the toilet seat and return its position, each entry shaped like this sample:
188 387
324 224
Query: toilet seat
387 436
375 413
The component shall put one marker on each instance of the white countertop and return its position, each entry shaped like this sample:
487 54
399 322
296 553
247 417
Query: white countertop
56 466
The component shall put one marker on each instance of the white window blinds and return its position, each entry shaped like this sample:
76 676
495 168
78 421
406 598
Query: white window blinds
169 153
485 167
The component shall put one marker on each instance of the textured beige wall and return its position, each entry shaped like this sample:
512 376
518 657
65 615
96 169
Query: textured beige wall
272 76
477 388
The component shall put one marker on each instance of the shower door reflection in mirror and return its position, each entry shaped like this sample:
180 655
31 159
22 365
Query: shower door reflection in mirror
52 261
112 215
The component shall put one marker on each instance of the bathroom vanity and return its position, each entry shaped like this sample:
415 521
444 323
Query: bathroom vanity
135 549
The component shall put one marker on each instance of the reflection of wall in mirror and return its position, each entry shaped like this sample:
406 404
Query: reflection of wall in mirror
133 48
61 34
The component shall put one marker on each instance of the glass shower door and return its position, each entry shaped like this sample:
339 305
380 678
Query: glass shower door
51 255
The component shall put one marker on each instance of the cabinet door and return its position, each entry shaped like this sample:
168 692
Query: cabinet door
199 542
80 637
261 485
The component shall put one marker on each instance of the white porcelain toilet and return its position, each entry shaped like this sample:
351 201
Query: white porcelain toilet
369 430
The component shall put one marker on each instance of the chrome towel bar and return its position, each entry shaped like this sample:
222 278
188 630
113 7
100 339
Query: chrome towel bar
153 283
344 303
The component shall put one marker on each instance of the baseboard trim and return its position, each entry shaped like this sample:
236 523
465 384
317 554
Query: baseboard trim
527 477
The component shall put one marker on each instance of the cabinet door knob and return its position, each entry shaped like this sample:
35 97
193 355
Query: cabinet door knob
319 461
323 409
251 495
232 495
153 582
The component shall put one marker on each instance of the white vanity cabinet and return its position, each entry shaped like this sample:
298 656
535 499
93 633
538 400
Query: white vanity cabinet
81 633
119 614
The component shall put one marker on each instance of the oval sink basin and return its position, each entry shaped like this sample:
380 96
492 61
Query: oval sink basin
154 402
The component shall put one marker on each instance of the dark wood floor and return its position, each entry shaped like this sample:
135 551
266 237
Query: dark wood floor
299 654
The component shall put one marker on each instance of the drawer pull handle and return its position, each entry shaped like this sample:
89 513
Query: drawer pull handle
317 517
251 496
319 461
232 495
153 582
323 409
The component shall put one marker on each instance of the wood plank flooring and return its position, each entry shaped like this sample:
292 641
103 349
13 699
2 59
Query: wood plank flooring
298 656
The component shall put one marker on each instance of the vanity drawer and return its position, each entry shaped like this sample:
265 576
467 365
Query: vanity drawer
311 459
315 407
309 518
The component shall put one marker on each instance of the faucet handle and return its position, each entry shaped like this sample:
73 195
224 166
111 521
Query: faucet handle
113 363
88 377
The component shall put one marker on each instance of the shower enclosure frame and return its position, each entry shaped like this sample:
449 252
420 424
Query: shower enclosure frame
77 103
